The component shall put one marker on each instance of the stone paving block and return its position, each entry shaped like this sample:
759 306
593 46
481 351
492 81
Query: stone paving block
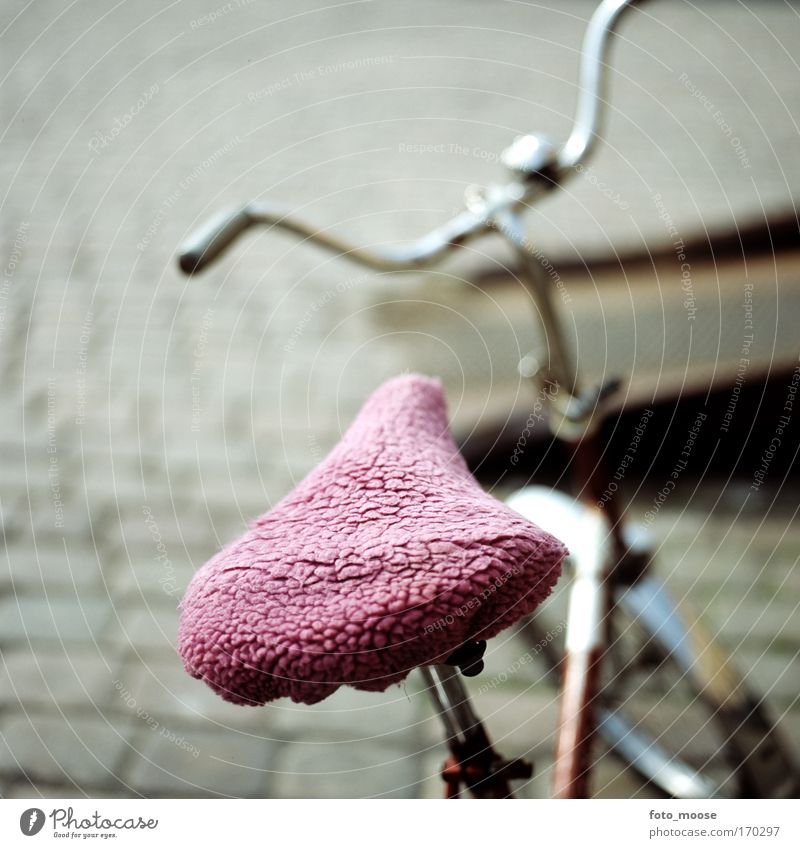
28 570
169 760
151 580
520 724
347 769
26 789
743 622
366 722
150 628
56 678
513 661
269 414
390 717
789 723
53 618
12 516
744 558
122 490
84 751
772 675
160 685
135 534
81 524
431 785
612 778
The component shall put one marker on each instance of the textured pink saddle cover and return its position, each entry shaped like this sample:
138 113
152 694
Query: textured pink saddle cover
386 557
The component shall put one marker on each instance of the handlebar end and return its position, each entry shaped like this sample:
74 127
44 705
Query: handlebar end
205 245
190 262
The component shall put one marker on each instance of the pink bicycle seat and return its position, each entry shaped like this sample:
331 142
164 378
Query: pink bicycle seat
386 557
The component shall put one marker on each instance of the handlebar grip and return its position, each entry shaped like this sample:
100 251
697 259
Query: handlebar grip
212 239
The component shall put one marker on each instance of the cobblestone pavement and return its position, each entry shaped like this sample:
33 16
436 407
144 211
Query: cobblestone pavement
147 418
95 702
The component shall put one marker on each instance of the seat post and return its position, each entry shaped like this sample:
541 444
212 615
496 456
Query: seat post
473 761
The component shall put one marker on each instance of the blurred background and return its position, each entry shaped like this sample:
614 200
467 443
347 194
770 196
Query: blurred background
148 417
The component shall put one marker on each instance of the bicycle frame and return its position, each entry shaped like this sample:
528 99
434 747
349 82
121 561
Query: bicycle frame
538 167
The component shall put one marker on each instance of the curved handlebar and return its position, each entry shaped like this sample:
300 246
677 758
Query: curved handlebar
592 80
207 243
204 245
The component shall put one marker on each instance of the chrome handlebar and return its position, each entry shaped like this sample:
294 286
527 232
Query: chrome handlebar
208 242
592 82
537 166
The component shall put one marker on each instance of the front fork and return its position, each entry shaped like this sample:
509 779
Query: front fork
585 644
602 558
577 421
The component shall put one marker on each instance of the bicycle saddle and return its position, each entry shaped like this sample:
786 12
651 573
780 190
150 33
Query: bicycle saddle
386 557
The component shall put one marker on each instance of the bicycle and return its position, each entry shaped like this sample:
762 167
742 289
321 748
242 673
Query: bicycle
625 637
